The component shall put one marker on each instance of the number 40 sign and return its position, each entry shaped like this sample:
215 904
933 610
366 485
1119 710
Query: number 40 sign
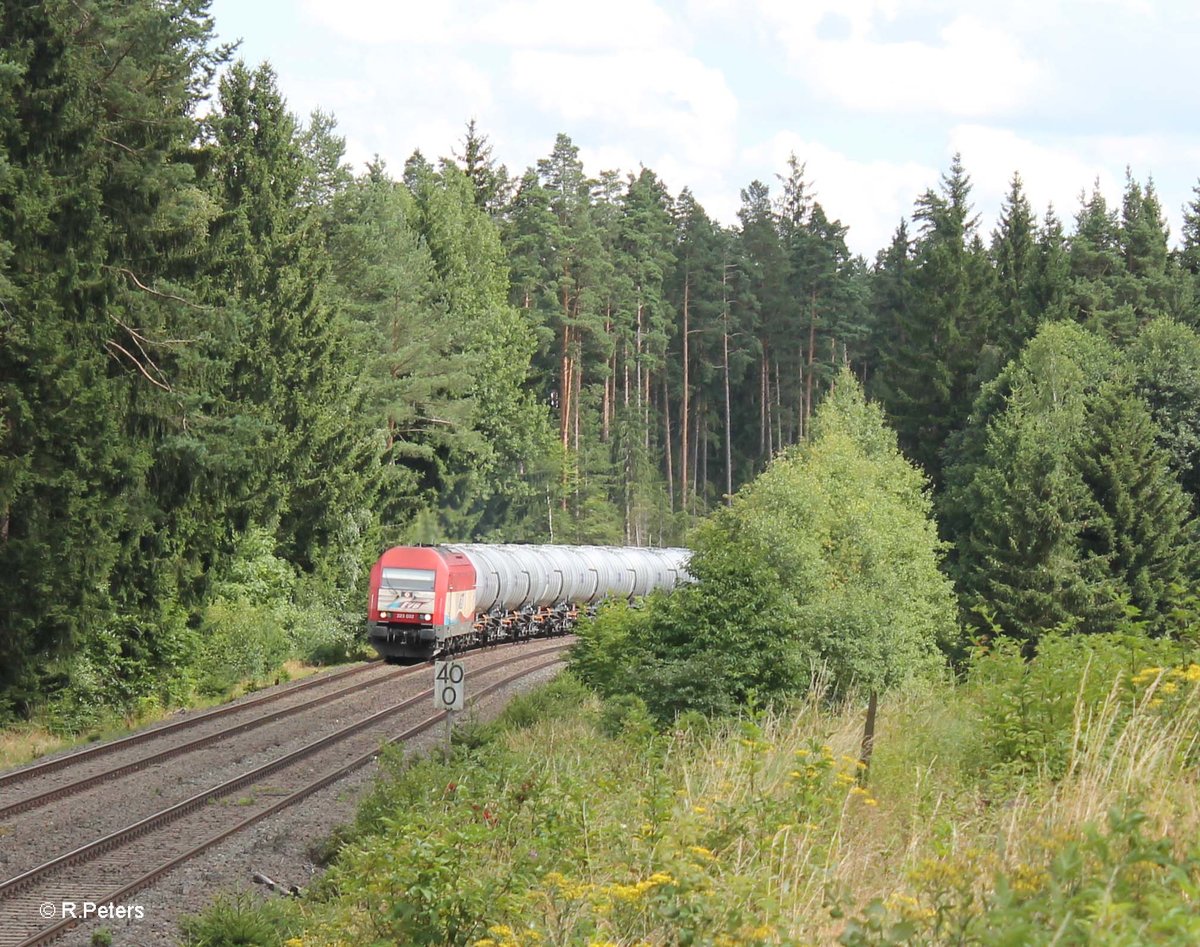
448 684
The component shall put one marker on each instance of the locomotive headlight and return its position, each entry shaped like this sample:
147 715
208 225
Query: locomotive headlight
383 614
426 618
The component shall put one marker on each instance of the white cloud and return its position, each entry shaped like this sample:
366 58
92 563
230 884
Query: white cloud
868 196
607 157
1061 171
663 91
383 22
590 25
969 65
580 24
1050 173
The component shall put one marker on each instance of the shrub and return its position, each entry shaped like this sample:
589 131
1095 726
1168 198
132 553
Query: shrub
828 562
1033 714
1110 883
241 921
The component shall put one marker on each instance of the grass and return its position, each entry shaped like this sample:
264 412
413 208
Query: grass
576 823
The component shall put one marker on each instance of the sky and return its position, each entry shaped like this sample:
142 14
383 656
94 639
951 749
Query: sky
873 96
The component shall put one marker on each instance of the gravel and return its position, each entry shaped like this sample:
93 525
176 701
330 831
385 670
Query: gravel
280 847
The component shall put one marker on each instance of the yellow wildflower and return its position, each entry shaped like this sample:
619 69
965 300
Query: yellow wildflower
1026 879
702 852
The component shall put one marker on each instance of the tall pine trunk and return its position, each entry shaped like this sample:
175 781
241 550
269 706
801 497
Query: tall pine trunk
683 419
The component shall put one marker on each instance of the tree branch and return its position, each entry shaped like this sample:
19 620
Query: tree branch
153 292
154 381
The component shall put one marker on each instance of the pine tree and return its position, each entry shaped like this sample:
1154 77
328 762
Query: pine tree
764 267
496 345
1188 255
892 300
1143 532
493 187
290 433
1096 266
1052 280
644 256
1165 361
696 295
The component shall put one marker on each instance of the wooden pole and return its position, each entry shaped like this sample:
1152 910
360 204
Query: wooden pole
868 740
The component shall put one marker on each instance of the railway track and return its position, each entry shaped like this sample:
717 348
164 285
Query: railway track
113 868
90 769
92 754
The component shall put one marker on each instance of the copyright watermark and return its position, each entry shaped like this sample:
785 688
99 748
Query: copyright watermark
91 910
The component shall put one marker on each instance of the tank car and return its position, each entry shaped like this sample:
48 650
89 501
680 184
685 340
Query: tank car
427 600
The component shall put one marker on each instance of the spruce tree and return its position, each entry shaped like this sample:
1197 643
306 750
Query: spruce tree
1143 532
95 111
1015 254
1066 509
948 344
1165 363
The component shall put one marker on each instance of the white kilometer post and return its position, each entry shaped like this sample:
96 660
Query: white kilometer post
449 687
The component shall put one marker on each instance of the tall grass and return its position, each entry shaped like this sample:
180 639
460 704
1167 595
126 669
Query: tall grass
579 824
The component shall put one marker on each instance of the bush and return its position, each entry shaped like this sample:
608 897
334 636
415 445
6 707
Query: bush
1110 883
241 640
242 921
826 564
1033 714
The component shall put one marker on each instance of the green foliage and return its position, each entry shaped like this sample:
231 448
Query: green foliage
942 332
1165 363
1111 883
242 921
1063 505
1035 714
827 564
579 824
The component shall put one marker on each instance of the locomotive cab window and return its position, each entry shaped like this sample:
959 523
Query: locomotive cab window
407 580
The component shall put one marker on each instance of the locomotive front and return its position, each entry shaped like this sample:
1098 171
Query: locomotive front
417 595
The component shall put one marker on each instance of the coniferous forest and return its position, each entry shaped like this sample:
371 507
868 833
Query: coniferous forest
233 369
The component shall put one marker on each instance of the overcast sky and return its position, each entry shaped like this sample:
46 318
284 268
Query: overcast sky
875 96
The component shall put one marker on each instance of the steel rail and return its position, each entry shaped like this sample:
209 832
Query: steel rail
144 736
179 749
172 813
64 925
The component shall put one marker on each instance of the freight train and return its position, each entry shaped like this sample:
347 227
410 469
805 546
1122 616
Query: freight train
433 600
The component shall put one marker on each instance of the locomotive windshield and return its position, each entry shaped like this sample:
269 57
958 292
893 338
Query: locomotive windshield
407 580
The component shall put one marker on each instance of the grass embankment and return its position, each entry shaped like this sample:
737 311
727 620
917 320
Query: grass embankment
1052 802
30 741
